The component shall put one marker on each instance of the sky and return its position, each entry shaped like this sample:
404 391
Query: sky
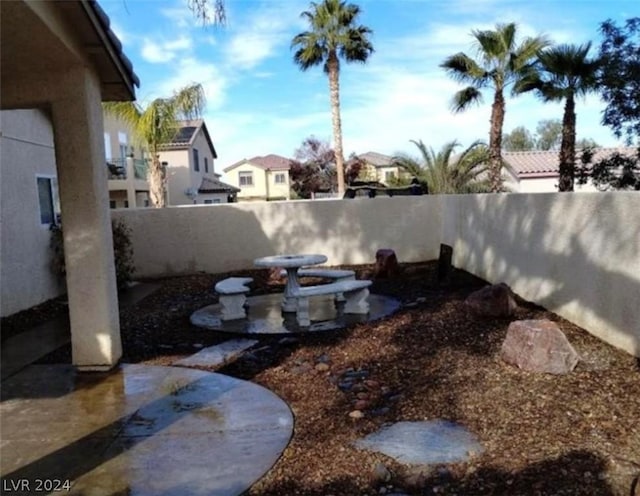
259 102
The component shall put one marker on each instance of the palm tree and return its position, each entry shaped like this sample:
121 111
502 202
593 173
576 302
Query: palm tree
567 72
500 62
334 34
445 173
156 125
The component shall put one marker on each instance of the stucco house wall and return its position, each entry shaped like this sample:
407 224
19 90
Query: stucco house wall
277 190
258 190
26 152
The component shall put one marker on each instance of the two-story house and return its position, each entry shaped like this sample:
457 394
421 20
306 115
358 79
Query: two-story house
191 178
379 168
261 178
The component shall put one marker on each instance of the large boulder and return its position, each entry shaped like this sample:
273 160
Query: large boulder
538 346
492 301
386 263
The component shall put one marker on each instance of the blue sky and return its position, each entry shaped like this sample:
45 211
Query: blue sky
259 102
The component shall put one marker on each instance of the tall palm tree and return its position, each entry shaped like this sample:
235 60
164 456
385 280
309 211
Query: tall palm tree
500 62
333 35
445 173
156 125
567 71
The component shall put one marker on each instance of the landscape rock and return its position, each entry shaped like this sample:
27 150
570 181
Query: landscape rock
356 414
386 263
492 301
322 367
538 346
381 473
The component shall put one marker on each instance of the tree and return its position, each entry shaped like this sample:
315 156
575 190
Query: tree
567 72
500 63
549 134
584 143
313 168
518 140
445 174
620 77
334 34
209 11
156 125
617 171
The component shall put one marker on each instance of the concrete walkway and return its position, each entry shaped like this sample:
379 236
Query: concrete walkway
140 430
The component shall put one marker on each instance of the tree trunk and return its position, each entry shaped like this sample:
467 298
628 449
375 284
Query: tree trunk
495 143
567 157
157 182
333 67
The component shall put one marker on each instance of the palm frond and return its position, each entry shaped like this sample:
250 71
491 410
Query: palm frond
466 97
463 68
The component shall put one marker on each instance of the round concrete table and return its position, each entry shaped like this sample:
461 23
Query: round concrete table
291 263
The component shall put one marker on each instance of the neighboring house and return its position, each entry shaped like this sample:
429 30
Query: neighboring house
379 168
261 178
126 164
62 57
537 171
191 178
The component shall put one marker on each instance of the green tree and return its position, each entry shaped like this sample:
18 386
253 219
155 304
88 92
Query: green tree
156 125
518 140
333 34
445 173
567 72
500 62
549 134
620 77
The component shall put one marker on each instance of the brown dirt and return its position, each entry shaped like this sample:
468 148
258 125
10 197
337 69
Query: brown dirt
575 434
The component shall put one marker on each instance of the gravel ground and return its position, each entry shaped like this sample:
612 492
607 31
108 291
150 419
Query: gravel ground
575 434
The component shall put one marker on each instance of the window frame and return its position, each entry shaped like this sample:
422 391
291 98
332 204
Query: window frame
280 175
245 175
54 197
196 159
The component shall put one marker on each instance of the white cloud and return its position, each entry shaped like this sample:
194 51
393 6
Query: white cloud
158 52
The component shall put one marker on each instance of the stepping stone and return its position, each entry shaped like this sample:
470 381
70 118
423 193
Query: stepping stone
219 355
422 443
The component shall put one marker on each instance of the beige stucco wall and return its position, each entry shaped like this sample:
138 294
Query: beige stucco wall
26 151
259 188
181 174
180 240
578 255
278 190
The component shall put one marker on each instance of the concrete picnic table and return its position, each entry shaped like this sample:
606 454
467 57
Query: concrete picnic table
291 263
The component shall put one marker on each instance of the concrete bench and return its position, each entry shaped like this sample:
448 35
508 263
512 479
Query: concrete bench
355 292
336 274
232 293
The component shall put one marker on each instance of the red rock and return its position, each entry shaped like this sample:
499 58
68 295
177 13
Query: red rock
386 263
492 301
361 405
538 346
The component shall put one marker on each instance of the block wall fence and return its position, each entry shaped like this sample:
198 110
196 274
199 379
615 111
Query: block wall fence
578 255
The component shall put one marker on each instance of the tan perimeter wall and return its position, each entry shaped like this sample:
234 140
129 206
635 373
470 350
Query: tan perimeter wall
577 255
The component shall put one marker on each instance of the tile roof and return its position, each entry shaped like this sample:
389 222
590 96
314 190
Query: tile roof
268 162
210 185
538 163
376 159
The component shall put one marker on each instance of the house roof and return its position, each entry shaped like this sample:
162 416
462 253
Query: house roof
376 159
210 185
268 162
538 163
187 134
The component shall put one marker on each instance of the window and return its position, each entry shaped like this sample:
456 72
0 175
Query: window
112 204
206 164
281 178
389 176
107 147
48 199
126 204
196 161
245 178
122 140
210 202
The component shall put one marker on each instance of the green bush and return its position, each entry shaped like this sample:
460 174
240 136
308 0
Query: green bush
122 252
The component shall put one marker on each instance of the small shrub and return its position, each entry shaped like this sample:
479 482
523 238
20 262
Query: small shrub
122 252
